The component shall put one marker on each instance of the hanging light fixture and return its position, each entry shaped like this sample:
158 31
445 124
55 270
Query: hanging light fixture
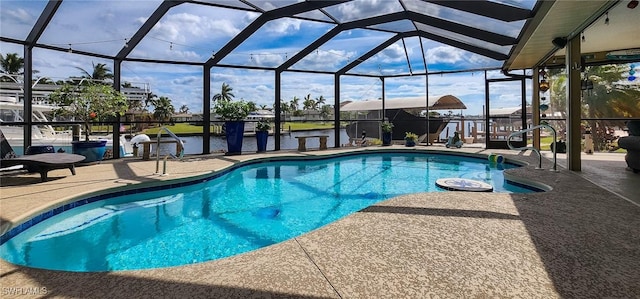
543 86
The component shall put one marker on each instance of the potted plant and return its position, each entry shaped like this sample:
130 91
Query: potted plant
262 135
410 139
89 103
233 113
387 129
561 146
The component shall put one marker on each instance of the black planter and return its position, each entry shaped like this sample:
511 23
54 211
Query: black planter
386 138
235 133
261 139
410 143
561 147
92 150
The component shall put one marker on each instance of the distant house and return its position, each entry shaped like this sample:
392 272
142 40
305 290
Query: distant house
183 117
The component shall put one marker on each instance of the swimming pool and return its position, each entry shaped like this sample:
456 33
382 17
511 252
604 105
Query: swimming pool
241 209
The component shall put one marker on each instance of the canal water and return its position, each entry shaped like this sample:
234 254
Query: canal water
193 144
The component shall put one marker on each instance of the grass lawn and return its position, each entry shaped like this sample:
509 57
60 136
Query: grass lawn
176 129
545 143
302 126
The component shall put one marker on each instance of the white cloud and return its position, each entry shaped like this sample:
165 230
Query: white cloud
394 52
283 26
182 27
444 54
267 59
19 15
359 8
186 80
325 60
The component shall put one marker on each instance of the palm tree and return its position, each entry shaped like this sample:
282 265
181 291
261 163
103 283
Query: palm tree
184 109
319 101
163 109
325 111
225 93
284 108
602 102
151 97
252 106
100 72
607 101
308 104
135 106
294 104
12 63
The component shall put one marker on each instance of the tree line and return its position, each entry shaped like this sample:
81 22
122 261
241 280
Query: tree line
13 65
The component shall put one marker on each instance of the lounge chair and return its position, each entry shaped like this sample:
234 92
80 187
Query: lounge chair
41 163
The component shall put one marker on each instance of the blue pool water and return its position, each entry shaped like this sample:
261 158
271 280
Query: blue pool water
250 207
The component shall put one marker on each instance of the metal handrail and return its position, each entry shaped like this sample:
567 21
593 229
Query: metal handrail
180 155
524 148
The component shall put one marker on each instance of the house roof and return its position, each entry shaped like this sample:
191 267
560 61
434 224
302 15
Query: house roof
445 102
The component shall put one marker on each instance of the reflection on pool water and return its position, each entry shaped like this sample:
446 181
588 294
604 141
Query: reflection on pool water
247 208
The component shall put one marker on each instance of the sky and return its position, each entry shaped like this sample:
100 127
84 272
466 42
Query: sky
193 33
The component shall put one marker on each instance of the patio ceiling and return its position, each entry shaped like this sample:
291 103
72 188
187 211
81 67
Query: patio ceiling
357 37
583 19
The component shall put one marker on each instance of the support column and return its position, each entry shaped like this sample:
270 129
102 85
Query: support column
535 109
574 95
384 108
117 75
206 109
384 100
336 110
28 97
278 112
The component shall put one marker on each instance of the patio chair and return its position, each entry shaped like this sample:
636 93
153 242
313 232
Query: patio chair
41 163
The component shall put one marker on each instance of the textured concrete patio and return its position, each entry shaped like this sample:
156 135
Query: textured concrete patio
577 241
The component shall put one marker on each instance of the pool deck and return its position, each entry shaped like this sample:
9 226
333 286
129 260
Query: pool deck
577 241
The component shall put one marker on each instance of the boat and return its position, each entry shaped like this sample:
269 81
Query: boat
406 114
12 106
11 110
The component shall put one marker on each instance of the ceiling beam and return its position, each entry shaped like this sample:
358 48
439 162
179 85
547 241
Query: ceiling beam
335 31
162 9
456 44
488 9
310 48
42 22
474 32
397 16
286 11
374 51
540 11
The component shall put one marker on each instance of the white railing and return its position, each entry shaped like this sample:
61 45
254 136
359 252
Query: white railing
179 155
524 148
